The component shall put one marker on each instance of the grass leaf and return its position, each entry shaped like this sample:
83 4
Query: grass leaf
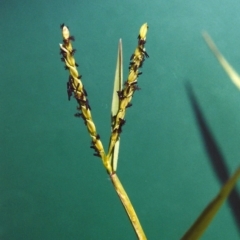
224 63
205 218
115 101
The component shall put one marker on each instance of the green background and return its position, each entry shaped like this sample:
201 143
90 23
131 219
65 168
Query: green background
51 185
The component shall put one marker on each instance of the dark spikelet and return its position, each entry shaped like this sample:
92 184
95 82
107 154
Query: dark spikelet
120 94
78 115
98 136
129 105
85 92
121 122
72 38
146 54
141 42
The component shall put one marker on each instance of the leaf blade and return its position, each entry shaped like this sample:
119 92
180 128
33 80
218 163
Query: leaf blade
233 75
207 215
118 81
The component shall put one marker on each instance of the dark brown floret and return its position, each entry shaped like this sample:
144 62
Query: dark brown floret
135 87
147 56
77 87
141 42
97 154
115 130
63 53
69 95
85 92
120 94
135 67
129 105
69 92
65 42
78 115
73 51
113 120
87 105
141 63
70 79
131 64
98 136
72 38
121 121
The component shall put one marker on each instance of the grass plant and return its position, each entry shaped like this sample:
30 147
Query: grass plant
122 96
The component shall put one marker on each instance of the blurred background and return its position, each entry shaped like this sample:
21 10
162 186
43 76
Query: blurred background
180 141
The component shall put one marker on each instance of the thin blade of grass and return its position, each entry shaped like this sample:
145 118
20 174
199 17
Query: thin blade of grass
205 218
115 101
221 59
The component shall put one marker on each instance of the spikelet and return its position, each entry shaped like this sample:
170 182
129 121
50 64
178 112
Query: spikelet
125 96
75 87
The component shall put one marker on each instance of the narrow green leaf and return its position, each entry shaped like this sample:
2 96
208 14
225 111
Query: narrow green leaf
205 218
115 101
224 63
